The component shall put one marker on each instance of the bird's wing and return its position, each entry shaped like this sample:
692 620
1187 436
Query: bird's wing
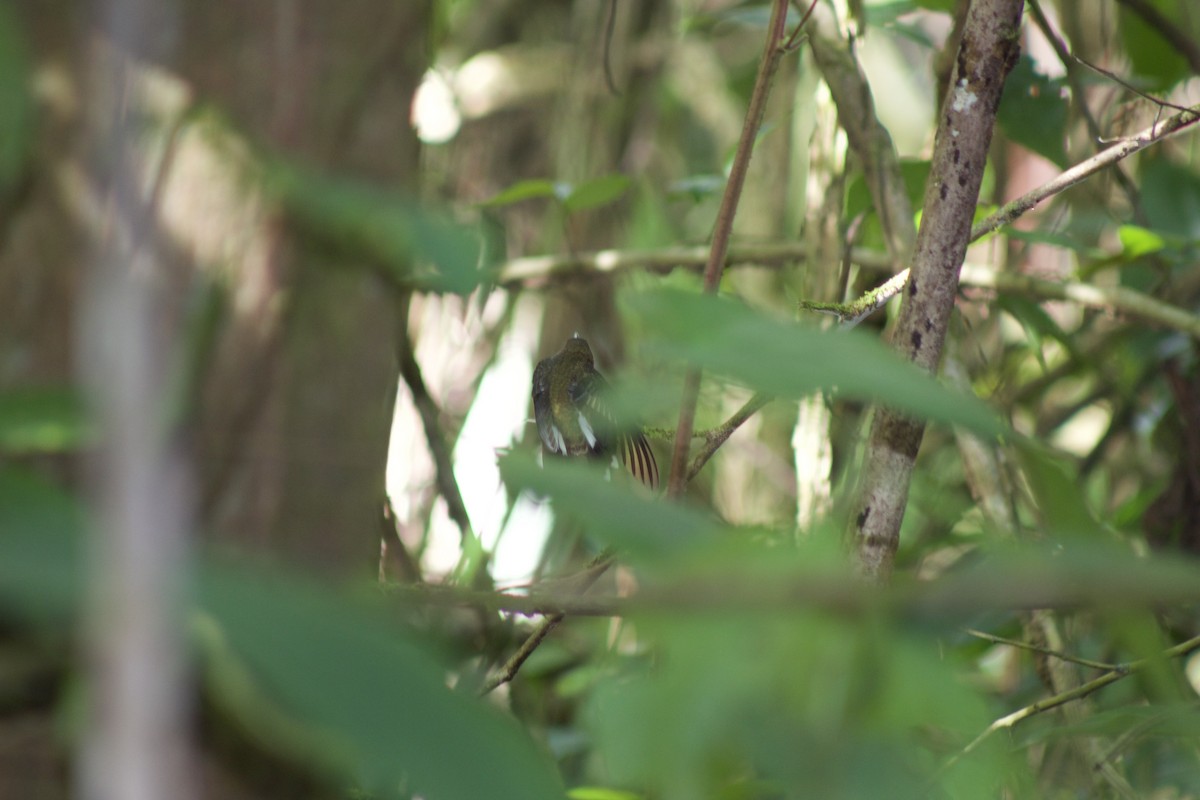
589 395
551 436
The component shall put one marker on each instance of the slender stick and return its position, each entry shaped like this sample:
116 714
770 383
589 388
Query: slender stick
136 738
410 372
598 566
994 639
1081 691
723 228
1086 168
718 436
1167 29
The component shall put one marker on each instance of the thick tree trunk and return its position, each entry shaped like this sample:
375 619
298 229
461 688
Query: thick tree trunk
290 411
289 367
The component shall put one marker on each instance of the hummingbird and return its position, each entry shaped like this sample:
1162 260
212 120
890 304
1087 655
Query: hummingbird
574 419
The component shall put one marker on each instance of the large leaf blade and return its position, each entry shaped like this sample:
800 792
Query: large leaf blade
789 360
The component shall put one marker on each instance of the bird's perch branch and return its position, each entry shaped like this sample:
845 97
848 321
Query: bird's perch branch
723 228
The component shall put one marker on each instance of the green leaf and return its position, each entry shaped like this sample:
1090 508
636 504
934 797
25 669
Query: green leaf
597 192
1137 241
601 793
1155 60
785 359
1033 112
379 698
1171 197
1037 324
1055 488
42 421
859 201
945 6
361 694
359 221
1056 239
730 690
915 174
524 190
649 224
41 580
612 510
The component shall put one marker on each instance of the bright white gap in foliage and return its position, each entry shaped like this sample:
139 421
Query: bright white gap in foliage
497 419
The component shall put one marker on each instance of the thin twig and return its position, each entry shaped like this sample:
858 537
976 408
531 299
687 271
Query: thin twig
713 437
723 228
509 671
1086 168
850 314
1081 691
1115 78
716 437
537 271
610 28
1079 94
994 639
597 567
1167 29
430 414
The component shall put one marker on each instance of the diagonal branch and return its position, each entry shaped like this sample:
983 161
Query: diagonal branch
596 568
1086 168
1046 651
1079 96
869 139
1081 691
430 414
717 436
1083 293
1167 29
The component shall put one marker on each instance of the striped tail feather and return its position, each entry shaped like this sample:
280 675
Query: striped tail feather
638 458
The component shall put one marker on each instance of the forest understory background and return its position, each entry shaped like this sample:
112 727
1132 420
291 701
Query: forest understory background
904 294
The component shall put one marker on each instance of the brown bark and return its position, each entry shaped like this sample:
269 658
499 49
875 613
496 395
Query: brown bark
287 404
988 51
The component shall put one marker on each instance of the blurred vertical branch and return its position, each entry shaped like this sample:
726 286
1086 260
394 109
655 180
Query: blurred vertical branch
868 138
871 144
812 435
136 745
